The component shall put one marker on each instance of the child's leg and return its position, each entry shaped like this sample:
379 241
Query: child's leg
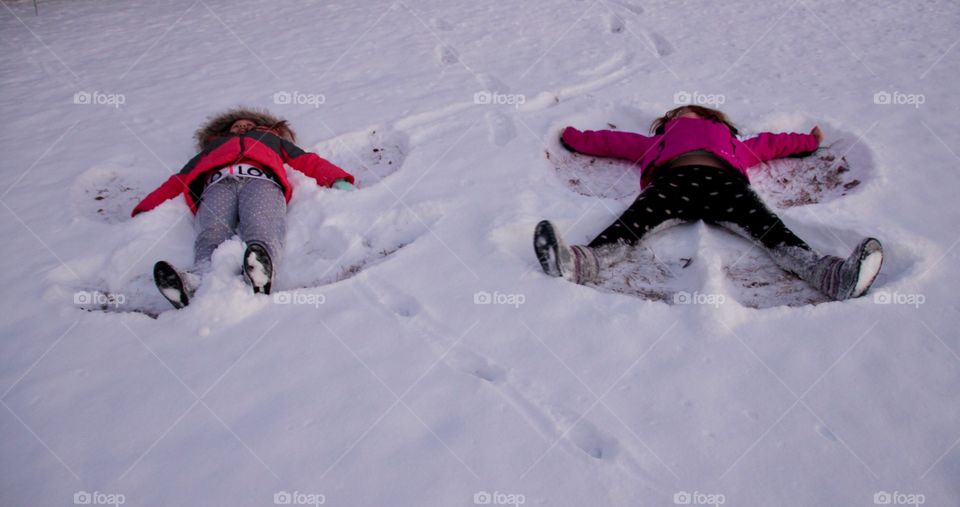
263 216
730 202
735 206
669 200
216 219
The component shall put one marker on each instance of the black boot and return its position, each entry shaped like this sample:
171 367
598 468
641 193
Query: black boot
171 284
578 264
258 268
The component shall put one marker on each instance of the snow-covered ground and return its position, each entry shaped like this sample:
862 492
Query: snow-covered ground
377 375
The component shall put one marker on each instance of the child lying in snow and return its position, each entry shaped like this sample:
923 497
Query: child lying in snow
238 183
694 168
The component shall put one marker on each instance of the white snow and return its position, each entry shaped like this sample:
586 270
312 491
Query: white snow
868 271
413 353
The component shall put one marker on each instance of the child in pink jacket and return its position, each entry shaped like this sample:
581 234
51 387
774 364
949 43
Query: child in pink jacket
695 168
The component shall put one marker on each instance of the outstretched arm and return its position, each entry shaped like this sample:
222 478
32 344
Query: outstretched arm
171 188
168 190
768 146
311 164
606 143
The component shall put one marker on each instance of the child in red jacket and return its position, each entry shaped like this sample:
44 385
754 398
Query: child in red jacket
695 168
237 183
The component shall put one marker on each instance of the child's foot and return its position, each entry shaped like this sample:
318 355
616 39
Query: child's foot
851 277
258 268
577 264
865 261
171 284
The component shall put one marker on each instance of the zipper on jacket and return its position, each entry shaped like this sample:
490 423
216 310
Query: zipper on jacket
242 150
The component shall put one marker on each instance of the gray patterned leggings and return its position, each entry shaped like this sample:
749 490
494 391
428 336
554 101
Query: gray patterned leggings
254 208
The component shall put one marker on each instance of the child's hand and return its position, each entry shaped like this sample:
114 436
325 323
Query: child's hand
342 184
816 132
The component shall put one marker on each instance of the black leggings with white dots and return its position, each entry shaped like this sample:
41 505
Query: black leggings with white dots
690 193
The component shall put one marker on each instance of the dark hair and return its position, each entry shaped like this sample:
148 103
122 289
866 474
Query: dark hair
659 125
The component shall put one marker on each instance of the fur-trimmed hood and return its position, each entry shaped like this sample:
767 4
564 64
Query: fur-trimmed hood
219 125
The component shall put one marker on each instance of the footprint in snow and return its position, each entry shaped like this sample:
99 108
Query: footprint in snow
614 23
446 55
658 43
592 441
825 432
501 129
475 365
441 24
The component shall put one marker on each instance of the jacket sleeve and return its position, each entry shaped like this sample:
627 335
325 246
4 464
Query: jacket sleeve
174 186
767 146
607 143
171 188
311 164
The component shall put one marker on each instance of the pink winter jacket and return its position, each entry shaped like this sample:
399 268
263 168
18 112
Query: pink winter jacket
683 135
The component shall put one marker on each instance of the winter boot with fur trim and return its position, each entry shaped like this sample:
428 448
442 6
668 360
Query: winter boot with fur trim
578 264
836 277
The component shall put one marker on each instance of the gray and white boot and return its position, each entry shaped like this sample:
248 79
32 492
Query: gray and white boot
176 286
834 276
578 263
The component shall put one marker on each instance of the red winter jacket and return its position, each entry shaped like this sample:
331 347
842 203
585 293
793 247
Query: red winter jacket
683 135
260 147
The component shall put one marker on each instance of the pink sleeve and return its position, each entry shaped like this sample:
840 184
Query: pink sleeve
607 143
767 146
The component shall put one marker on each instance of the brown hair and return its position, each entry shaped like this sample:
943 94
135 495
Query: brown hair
659 125
219 125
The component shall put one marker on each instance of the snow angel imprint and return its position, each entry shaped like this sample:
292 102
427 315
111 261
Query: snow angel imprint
238 184
693 168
